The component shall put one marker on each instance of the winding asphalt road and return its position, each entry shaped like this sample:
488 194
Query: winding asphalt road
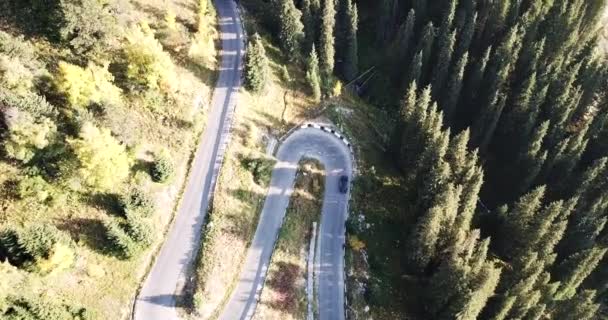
167 277
335 156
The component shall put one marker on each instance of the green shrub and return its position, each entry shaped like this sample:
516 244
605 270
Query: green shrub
11 249
163 168
87 26
15 76
37 308
34 188
39 240
39 247
260 168
139 230
137 202
31 103
26 134
119 241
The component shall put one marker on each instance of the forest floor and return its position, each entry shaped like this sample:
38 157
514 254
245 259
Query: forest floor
284 293
102 283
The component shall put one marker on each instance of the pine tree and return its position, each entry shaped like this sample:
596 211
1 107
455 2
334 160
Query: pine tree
444 59
473 84
488 120
425 47
401 47
428 231
309 14
466 36
520 120
464 281
404 129
386 20
574 270
326 38
312 74
580 306
454 88
420 6
415 69
349 23
256 65
291 29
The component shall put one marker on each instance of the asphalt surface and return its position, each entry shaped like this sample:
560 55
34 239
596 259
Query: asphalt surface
335 156
165 282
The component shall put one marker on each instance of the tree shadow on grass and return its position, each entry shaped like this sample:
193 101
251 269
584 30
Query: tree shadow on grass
143 166
108 202
86 231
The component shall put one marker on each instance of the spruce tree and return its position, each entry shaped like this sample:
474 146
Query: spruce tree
349 56
402 44
309 21
444 59
454 88
415 69
291 32
256 65
313 75
425 47
466 36
580 306
428 231
574 270
326 38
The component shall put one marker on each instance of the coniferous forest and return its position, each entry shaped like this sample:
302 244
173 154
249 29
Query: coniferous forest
501 137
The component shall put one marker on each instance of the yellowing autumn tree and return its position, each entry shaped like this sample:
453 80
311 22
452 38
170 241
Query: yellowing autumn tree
84 86
148 66
103 161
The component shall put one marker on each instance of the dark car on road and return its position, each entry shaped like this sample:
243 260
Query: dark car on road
343 186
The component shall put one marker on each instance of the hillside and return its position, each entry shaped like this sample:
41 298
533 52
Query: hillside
482 159
101 103
479 132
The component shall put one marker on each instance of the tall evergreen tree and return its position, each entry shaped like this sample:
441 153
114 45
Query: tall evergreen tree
313 75
256 65
402 44
466 36
444 59
425 47
309 21
581 306
291 32
326 38
349 58
414 73
574 270
454 88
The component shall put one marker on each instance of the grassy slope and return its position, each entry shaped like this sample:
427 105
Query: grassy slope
284 293
98 281
239 197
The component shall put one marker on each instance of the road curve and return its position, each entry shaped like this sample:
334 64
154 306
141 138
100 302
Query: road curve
164 283
337 160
